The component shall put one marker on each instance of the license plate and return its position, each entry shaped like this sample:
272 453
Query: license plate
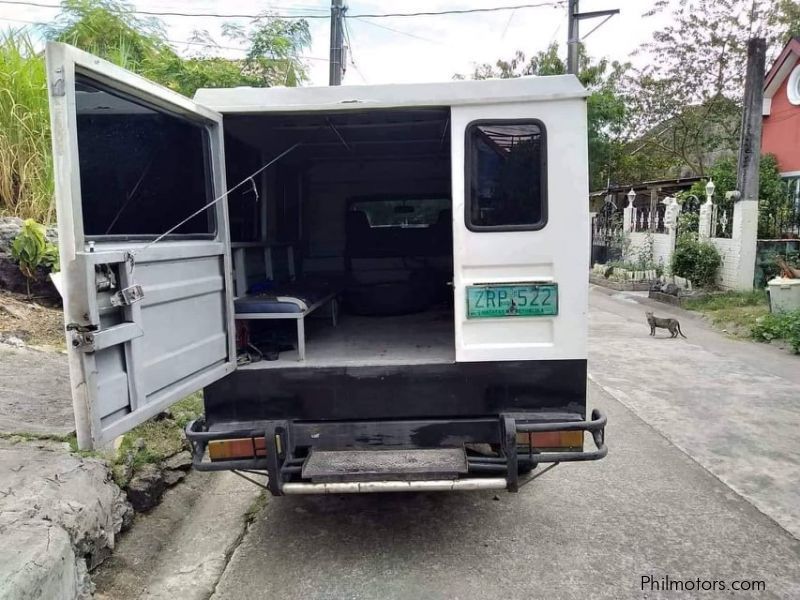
514 300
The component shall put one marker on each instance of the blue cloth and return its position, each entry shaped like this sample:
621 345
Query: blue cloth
263 304
308 292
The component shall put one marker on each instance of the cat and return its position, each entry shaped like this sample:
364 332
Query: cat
671 324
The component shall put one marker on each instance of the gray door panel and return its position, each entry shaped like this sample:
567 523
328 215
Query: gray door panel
132 355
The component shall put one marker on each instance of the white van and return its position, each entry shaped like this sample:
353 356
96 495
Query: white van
378 288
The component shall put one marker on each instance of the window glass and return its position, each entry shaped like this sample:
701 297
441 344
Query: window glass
142 170
402 212
506 175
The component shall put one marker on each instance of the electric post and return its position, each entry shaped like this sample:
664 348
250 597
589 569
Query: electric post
750 145
337 42
574 36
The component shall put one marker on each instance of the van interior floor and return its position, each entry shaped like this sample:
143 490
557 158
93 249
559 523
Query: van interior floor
419 338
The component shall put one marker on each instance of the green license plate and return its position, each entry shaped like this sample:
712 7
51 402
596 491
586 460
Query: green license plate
514 300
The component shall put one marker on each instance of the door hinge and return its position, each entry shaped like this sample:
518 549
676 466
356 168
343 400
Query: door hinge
127 296
57 88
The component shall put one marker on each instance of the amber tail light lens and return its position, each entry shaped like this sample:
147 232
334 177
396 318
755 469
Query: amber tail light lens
239 448
547 440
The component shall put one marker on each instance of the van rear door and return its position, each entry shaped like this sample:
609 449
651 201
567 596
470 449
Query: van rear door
520 235
149 320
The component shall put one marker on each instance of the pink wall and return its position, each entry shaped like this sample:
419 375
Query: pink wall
781 135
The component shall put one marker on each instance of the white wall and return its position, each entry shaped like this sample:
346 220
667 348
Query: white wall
662 247
739 252
726 277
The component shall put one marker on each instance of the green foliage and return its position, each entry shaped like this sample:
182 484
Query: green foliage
775 210
111 30
160 437
688 223
735 312
789 17
727 300
32 250
696 261
775 202
26 179
781 326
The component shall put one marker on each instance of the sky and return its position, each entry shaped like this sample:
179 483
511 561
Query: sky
402 49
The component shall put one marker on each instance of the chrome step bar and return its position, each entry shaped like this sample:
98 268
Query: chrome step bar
363 487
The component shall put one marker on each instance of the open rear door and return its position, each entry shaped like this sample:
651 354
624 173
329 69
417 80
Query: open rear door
147 323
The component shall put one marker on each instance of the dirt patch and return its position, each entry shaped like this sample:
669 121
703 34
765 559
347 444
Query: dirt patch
32 321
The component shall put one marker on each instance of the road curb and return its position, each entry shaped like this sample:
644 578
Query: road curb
59 517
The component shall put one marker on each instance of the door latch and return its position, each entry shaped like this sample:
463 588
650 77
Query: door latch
127 296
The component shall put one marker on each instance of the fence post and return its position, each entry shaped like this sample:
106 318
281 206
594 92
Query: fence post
705 219
671 212
628 214
744 234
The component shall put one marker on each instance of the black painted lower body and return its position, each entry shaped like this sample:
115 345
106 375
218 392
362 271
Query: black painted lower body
427 391
296 411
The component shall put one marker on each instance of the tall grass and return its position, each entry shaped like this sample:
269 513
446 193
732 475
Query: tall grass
26 172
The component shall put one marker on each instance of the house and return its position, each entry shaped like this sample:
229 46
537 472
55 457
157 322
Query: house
781 133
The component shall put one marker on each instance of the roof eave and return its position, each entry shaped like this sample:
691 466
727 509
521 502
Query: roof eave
780 69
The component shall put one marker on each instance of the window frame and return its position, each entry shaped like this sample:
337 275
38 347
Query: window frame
95 79
394 197
468 156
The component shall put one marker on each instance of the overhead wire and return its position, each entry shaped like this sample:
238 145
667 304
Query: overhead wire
351 54
398 31
165 13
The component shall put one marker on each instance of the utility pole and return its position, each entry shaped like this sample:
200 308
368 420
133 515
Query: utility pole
750 145
337 42
573 31
573 37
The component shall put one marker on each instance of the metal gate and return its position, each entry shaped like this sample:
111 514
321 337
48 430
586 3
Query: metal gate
607 234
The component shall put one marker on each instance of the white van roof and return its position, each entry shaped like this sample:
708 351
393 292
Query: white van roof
451 93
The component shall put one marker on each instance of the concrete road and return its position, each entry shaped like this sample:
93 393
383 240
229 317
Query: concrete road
734 406
652 508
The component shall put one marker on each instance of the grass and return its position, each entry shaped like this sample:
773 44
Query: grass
783 326
160 439
746 314
736 312
26 174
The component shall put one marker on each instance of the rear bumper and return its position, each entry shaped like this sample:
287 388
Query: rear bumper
288 442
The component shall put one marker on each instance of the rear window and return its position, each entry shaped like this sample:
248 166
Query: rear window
506 175
403 212
143 170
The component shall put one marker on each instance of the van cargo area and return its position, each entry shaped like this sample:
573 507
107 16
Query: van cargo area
353 227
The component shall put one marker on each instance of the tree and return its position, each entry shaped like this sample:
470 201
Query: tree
686 106
789 17
606 107
110 29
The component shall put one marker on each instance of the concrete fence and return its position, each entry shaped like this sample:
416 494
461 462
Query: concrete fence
738 252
